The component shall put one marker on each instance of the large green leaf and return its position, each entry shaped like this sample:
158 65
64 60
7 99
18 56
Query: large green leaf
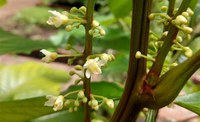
2 2
190 102
30 80
120 8
10 43
23 110
63 116
107 89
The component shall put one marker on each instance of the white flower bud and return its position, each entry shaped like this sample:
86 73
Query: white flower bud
190 12
94 102
96 107
95 23
138 55
165 33
180 19
58 105
185 14
187 30
71 109
109 103
91 32
179 39
57 19
102 32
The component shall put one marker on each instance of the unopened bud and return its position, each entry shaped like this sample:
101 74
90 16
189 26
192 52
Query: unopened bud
138 55
76 103
102 32
71 73
84 100
81 94
69 28
190 12
82 8
151 16
73 10
185 14
187 30
95 23
180 19
164 8
78 67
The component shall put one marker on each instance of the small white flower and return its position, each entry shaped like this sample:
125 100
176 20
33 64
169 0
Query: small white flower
57 19
49 56
55 102
51 100
109 103
106 57
93 66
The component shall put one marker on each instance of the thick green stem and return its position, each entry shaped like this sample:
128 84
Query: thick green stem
137 68
87 52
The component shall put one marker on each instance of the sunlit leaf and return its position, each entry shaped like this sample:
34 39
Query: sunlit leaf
63 116
23 110
10 43
30 80
190 102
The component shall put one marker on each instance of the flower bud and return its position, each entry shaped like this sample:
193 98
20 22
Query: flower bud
190 12
165 33
81 94
151 16
102 32
138 55
71 109
180 19
75 108
82 8
188 52
187 30
84 100
73 10
179 39
185 14
71 73
109 103
69 28
95 23
164 8
78 67
76 103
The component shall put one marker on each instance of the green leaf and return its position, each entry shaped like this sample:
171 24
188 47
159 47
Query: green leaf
10 43
2 2
120 8
63 116
30 80
23 110
103 88
190 102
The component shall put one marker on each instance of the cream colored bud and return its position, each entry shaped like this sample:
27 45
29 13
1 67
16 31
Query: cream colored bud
67 102
91 32
165 33
185 14
188 52
96 107
138 55
190 12
84 100
102 32
179 39
94 102
187 30
71 109
95 23
75 108
109 103
180 19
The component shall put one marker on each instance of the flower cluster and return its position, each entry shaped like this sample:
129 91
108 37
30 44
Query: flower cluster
94 104
181 21
58 102
96 29
71 19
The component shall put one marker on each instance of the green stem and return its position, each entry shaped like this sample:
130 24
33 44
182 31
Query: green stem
173 31
87 52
